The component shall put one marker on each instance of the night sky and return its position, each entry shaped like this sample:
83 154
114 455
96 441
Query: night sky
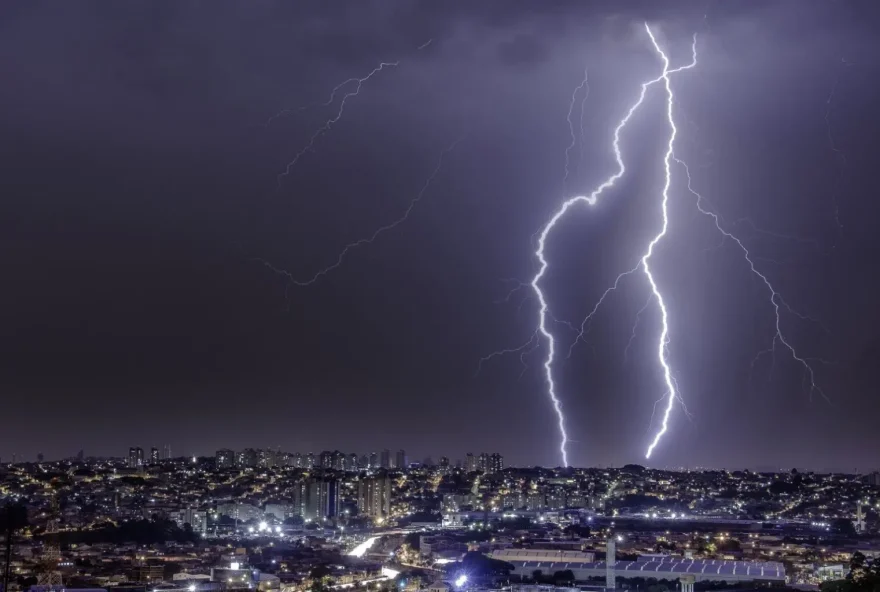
140 196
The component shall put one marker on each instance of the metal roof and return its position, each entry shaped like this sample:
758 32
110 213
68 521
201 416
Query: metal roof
768 569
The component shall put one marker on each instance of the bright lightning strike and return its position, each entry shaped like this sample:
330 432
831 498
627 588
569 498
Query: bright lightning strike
358 83
663 341
370 239
589 199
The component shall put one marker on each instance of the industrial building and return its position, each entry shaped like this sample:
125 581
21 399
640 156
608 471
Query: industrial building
543 556
668 568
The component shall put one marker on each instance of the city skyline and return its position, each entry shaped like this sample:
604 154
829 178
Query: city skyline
318 230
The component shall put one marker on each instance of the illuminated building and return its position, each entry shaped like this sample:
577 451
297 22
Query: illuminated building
338 461
240 512
246 458
197 520
224 458
323 499
281 511
325 460
470 463
374 497
135 457
400 459
154 456
267 458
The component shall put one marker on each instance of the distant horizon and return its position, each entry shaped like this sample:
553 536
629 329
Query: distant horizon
453 462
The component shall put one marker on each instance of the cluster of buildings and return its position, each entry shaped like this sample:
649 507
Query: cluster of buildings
336 460
136 458
269 520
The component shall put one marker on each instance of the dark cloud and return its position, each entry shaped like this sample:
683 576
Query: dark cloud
140 186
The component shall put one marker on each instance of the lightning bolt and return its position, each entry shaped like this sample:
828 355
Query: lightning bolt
523 350
632 335
591 199
585 324
326 103
663 341
359 82
371 238
585 83
776 300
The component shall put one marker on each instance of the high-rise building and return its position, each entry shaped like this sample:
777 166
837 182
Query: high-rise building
496 463
322 499
310 460
470 462
298 460
483 464
338 461
267 458
300 495
400 460
135 457
374 461
325 460
167 451
385 459
246 458
224 459
154 456
352 464
374 497
444 464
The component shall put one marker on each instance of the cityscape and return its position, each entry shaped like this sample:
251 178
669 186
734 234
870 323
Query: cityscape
267 520
439 296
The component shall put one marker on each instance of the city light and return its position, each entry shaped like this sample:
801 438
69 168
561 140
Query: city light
362 548
461 581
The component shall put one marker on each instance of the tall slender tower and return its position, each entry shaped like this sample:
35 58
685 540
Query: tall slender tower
860 518
49 575
610 562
